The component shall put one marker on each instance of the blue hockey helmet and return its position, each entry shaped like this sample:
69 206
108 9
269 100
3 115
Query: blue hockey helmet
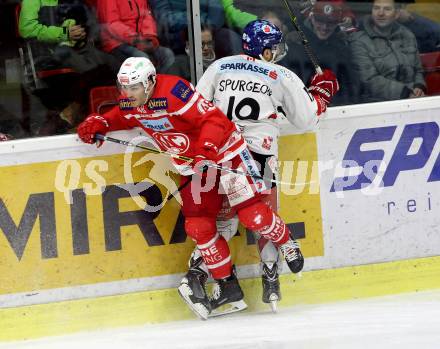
258 35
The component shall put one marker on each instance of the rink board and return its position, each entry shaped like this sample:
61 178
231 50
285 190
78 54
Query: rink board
75 227
75 241
151 307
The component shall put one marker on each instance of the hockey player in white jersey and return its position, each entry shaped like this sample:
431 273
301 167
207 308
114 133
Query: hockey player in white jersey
254 92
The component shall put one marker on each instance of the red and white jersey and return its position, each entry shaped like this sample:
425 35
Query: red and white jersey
255 94
179 121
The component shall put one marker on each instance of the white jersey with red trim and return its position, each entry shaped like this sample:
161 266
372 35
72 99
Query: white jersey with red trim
255 94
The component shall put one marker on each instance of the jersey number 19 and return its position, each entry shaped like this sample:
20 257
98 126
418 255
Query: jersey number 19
247 108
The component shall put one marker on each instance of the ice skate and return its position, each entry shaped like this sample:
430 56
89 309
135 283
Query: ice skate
227 296
192 289
271 285
292 254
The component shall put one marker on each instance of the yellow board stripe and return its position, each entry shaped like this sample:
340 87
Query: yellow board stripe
165 305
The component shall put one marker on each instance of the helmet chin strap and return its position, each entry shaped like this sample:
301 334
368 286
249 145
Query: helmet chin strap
149 91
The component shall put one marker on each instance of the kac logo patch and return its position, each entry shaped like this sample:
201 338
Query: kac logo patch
176 143
182 91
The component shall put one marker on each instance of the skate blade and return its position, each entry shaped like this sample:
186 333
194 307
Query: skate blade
229 308
274 306
273 302
199 309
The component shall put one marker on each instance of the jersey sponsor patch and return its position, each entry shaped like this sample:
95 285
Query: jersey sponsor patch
273 74
126 104
159 103
182 91
247 66
162 124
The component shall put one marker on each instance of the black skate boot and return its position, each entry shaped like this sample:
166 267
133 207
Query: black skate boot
227 292
271 285
192 288
292 254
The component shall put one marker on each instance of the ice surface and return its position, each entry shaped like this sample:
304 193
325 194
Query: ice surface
405 321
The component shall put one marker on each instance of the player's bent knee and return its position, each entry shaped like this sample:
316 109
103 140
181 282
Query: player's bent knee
256 216
200 229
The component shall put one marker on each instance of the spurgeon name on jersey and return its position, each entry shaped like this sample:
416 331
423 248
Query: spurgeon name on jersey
256 94
244 85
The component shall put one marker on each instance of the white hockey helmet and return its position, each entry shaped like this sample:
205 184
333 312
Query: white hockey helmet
136 70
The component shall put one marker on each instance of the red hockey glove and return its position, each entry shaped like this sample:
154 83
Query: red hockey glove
92 125
5 137
208 155
325 85
323 88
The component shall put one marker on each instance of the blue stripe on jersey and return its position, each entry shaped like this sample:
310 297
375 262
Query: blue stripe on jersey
252 169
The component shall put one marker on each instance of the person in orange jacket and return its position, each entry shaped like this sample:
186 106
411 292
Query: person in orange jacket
129 30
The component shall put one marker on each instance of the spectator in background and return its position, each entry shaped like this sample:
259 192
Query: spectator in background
273 18
129 30
427 32
386 56
171 16
235 18
331 47
181 63
62 36
348 21
5 137
65 34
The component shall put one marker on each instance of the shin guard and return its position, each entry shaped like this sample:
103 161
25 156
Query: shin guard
212 246
261 219
217 258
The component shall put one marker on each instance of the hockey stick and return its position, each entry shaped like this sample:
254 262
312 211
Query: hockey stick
126 143
173 194
153 150
303 37
185 158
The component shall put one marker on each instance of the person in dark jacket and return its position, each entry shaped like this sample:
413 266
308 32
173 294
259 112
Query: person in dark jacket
427 32
330 46
386 56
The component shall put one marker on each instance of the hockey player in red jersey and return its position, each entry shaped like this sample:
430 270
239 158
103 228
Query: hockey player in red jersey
254 93
180 121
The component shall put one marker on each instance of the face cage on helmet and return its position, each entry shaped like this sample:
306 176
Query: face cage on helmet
279 51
